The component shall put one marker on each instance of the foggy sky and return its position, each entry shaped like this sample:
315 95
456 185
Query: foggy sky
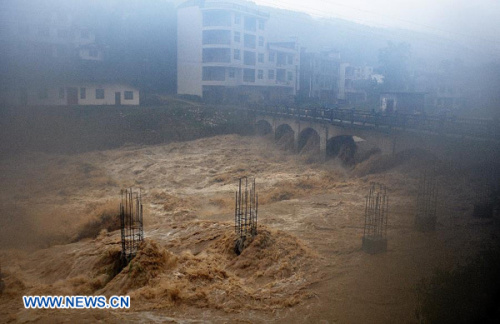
475 22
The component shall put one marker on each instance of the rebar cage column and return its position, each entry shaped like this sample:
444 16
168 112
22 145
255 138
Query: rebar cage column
245 212
131 223
376 214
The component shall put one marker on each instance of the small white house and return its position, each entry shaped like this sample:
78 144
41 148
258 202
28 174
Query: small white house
85 94
105 94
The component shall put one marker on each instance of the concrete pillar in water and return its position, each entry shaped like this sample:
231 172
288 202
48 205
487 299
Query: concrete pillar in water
323 139
296 134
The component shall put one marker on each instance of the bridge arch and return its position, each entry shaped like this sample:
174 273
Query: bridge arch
263 127
285 136
343 147
309 141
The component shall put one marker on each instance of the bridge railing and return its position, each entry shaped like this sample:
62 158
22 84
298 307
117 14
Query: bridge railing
483 128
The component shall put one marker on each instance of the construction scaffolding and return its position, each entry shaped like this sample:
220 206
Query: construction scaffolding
426 204
376 212
245 212
131 223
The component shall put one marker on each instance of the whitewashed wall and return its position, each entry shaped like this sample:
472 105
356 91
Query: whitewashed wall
109 94
12 96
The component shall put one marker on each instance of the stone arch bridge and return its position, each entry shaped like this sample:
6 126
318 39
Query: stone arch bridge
329 140
341 133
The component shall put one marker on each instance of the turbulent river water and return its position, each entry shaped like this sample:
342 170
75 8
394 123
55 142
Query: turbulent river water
58 237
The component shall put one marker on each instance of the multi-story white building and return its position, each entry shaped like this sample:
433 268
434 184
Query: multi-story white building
223 53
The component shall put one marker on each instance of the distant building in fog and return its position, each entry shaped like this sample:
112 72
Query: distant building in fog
223 54
446 90
349 77
35 34
404 102
47 59
319 75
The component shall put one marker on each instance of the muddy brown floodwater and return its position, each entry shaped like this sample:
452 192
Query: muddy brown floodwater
305 265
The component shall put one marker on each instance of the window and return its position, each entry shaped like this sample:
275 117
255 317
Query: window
236 54
216 37
261 24
250 24
289 59
249 41
93 52
237 19
129 95
218 55
261 41
214 73
217 18
270 74
249 75
237 37
43 93
83 93
289 76
61 93
280 75
260 58
349 72
280 59
271 56
260 74
99 93
249 58
232 74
